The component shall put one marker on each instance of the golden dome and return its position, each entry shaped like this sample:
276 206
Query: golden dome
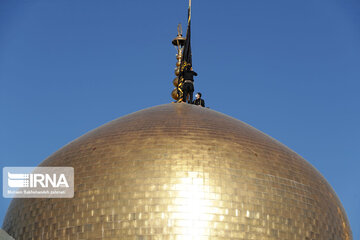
179 171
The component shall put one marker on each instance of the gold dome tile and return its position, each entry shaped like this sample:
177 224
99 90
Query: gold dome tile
178 171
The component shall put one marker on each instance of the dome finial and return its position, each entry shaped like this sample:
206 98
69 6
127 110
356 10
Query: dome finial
184 59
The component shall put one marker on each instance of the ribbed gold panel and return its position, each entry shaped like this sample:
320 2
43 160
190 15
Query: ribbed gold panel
178 171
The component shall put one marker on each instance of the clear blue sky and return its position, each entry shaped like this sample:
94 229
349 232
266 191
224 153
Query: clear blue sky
289 68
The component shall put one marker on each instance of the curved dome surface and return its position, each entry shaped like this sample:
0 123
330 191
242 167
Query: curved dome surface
178 171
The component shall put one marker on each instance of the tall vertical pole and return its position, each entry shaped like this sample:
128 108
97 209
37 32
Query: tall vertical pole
189 10
178 43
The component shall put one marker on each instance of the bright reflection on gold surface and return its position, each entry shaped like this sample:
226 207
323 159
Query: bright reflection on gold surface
177 171
192 207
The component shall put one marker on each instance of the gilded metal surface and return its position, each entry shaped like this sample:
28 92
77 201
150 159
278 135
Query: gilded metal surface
179 171
174 94
178 42
176 81
177 71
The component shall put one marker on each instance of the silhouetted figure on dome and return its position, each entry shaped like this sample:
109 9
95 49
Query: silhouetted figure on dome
188 87
199 101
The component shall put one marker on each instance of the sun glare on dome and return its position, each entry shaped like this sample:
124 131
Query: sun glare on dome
193 207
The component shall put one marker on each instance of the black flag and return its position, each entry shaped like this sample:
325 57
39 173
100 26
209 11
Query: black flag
187 57
186 60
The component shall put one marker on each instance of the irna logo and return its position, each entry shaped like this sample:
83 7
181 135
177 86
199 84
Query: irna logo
16 180
38 182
